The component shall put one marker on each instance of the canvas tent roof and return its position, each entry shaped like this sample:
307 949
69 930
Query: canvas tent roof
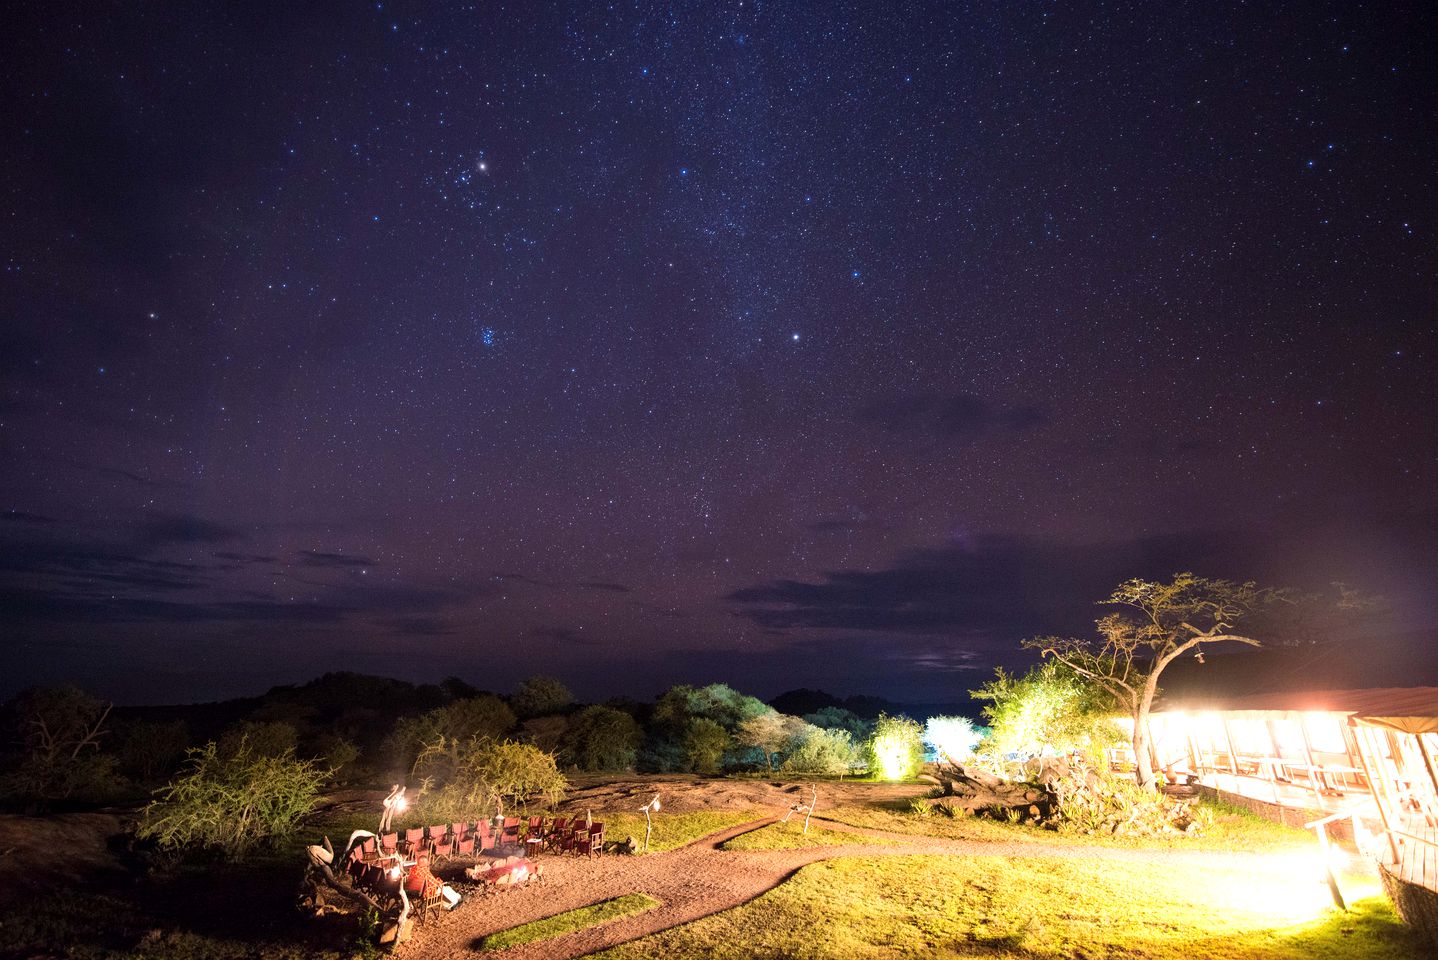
1406 709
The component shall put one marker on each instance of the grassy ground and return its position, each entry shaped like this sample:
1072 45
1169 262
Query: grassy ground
1037 909
1233 829
675 829
570 921
791 836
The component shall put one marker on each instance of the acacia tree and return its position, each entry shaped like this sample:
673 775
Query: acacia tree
1160 622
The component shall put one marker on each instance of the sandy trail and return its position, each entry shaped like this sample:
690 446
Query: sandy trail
698 880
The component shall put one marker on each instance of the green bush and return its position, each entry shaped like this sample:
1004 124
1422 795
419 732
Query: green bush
469 779
602 738
231 802
1048 709
826 752
483 716
704 744
896 749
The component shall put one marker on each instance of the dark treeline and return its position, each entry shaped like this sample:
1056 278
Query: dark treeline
63 747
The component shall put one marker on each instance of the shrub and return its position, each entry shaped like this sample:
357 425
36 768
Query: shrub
467 779
704 744
335 752
1049 709
60 730
602 738
896 750
232 801
953 738
151 751
272 739
827 752
1086 802
484 716
837 718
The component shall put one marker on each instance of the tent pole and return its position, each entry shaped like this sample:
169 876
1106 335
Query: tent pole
1375 788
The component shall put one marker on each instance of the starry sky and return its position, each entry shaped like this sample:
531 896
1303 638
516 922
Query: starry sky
838 345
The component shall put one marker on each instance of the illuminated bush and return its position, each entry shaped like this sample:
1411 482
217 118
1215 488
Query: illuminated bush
896 750
953 738
1050 710
232 801
815 750
469 779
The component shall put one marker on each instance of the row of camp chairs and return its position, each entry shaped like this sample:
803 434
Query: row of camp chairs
469 839
565 835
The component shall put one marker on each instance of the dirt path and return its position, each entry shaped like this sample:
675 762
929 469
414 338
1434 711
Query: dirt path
698 880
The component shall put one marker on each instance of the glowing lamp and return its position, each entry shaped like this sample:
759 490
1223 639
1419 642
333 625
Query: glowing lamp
892 757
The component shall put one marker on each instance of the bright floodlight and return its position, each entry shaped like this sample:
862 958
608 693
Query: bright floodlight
953 738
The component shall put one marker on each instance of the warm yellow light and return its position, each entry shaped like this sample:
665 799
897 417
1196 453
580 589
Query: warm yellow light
893 764
401 804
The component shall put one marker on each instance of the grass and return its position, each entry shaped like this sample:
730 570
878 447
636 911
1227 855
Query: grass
673 830
1232 829
569 921
1037 909
790 836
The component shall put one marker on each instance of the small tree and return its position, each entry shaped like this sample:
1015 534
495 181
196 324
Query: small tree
1049 708
896 750
1161 622
770 733
232 801
59 734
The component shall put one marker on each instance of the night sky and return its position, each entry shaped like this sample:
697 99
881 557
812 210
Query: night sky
835 345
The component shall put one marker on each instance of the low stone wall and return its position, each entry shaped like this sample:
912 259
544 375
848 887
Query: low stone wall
1277 812
1418 906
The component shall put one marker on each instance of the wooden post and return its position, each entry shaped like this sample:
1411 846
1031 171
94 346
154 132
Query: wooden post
1333 887
1309 758
1428 761
1232 754
1375 788
1275 754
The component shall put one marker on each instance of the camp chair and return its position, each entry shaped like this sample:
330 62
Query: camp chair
591 841
555 830
509 832
413 840
465 847
389 843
